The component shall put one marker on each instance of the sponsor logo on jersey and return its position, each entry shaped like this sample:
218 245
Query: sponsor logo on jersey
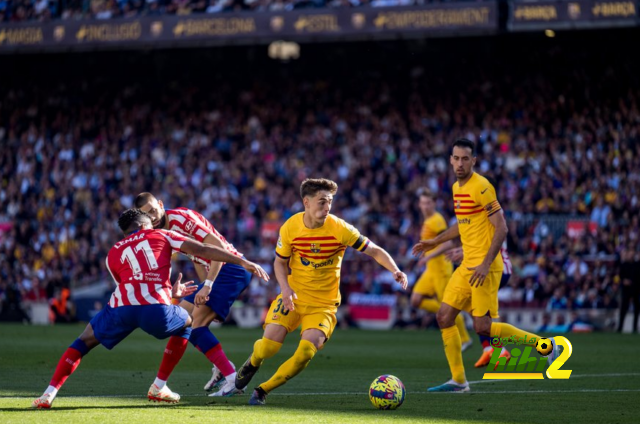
189 226
280 242
464 221
307 262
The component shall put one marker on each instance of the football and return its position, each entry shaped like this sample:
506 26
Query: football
387 392
544 346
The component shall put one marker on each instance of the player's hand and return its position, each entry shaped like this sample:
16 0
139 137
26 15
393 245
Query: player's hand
479 275
180 290
454 255
401 278
202 297
256 270
423 246
288 295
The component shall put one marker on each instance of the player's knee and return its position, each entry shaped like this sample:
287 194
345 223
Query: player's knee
265 348
416 299
482 326
444 318
305 352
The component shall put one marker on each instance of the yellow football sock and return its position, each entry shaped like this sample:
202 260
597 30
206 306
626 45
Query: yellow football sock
502 330
292 367
453 351
430 305
264 349
462 329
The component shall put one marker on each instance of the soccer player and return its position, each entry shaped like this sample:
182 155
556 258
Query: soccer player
312 244
474 285
222 284
428 290
140 264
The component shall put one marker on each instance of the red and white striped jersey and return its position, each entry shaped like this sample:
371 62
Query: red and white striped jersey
508 268
195 226
140 264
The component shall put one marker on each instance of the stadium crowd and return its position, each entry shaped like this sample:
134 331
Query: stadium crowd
75 154
46 10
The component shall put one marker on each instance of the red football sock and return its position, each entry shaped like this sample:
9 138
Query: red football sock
485 343
218 358
172 355
66 366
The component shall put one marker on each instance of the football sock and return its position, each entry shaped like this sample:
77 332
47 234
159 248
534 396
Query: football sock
204 340
292 367
485 341
462 329
503 330
172 355
68 364
264 349
218 358
430 305
453 352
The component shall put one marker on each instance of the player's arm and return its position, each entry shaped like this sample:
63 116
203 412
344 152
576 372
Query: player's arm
383 258
439 250
214 268
426 245
281 269
500 224
215 253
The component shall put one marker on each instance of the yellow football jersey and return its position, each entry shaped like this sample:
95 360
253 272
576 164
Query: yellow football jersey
474 203
431 227
315 257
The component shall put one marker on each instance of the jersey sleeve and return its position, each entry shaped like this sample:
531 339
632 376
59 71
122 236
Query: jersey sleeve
283 246
486 197
112 266
350 236
200 228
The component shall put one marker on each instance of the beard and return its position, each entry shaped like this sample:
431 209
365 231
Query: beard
161 222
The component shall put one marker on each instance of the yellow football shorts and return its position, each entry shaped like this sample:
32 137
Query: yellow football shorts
432 283
475 300
322 318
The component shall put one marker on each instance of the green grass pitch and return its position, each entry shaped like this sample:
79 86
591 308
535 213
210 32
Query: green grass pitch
111 386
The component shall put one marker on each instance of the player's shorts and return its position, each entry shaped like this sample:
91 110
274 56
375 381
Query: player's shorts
112 325
432 283
504 280
475 300
230 282
322 318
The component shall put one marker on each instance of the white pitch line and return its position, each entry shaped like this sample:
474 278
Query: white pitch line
492 392
417 392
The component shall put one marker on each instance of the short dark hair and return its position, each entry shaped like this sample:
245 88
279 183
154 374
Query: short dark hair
425 192
465 143
311 186
132 219
143 198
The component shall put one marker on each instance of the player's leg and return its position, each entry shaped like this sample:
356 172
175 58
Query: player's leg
176 346
317 327
456 297
487 342
73 355
162 321
278 323
485 302
440 285
424 294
